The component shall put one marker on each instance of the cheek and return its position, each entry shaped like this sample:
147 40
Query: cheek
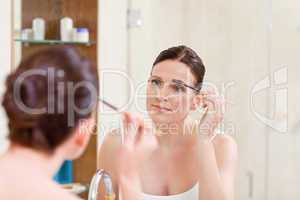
149 94
150 99
181 109
181 105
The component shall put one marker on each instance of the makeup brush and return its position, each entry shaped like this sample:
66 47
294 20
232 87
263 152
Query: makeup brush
109 105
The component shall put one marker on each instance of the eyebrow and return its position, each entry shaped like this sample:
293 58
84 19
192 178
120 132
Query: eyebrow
173 80
184 84
156 77
179 82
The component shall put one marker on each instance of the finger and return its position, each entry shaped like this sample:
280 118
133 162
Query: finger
215 109
209 104
204 116
126 119
140 129
209 90
134 128
147 143
128 127
215 103
219 105
213 115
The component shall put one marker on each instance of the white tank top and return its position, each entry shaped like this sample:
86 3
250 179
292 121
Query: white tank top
191 194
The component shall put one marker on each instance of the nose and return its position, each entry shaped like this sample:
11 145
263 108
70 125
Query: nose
163 93
162 98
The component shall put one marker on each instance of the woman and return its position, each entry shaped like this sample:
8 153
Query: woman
189 163
49 101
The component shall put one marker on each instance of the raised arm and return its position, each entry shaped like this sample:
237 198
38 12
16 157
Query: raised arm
217 167
217 153
120 159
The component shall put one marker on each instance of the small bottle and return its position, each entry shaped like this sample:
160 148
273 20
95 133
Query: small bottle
82 35
38 27
27 34
66 27
74 34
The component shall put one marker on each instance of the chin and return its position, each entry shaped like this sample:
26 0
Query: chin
167 118
159 118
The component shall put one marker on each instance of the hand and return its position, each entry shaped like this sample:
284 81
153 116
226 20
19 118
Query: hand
213 112
134 146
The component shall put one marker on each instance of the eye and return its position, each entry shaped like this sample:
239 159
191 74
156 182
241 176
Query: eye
178 88
156 82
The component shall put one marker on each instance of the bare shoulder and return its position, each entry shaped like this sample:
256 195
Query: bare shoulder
35 191
224 141
225 148
2 186
67 196
60 194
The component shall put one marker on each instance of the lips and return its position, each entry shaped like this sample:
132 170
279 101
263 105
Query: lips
160 108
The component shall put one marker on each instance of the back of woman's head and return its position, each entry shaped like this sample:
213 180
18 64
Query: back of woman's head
47 96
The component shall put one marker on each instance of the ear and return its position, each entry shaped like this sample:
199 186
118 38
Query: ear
84 131
197 101
81 139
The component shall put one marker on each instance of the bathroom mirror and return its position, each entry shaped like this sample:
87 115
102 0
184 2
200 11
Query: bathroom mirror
250 52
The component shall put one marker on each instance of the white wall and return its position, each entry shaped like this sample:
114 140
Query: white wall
17 24
284 149
5 62
112 55
231 36
161 28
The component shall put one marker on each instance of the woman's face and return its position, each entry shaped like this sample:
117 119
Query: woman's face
168 100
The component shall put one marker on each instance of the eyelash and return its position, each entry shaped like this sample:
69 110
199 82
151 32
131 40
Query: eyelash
179 88
156 82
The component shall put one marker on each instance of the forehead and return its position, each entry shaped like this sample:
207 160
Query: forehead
173 69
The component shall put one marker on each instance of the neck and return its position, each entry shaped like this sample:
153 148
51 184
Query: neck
172 128
40 162
169 136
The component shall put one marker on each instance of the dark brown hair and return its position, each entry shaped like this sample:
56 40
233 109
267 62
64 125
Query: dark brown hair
45 131
187 56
